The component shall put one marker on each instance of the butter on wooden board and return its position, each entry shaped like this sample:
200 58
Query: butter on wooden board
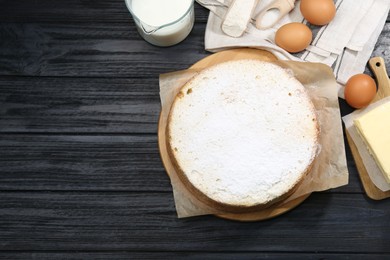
374 129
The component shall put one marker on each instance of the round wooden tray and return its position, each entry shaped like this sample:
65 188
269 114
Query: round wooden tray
236 54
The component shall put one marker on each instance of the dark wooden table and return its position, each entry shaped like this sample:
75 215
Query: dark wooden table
80 172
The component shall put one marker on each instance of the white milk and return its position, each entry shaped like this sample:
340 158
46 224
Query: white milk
153 16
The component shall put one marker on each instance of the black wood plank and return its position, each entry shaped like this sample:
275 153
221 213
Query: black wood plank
109 163
91 50
60 105
103 50
75 11
86 11
337 223
125 255
129 163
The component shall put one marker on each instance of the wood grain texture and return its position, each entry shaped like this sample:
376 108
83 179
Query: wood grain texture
109 11
125 255
92 163
127 163
103 50
147 222
91 50
86 11
80 172
81 105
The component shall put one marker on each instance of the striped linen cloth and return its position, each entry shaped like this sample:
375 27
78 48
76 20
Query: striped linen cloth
345 44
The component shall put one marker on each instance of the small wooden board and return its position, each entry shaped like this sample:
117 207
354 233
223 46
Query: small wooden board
235 54
378 67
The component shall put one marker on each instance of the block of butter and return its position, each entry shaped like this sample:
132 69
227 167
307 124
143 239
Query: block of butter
374 128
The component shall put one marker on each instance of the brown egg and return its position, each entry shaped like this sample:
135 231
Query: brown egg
318 12
293 37
360 90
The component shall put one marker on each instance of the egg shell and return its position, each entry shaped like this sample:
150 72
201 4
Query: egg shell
318 12
360 90
293 37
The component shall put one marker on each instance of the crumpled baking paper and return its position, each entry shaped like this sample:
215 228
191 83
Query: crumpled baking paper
330 167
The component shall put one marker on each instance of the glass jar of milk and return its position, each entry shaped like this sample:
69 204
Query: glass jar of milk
162 22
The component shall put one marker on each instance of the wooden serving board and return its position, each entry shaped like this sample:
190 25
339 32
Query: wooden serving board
236 54
378 67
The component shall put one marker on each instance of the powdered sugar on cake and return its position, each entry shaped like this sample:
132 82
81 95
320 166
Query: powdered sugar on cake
243 132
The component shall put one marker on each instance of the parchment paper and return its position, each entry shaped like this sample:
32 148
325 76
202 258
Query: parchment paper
372 168
330 167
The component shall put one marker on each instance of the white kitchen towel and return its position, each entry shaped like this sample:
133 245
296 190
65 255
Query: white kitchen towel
345 44
359 48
